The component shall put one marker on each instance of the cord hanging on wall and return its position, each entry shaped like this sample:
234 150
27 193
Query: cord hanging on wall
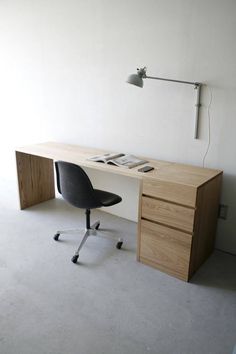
137 80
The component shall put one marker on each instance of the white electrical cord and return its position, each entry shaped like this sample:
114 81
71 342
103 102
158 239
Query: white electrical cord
209 126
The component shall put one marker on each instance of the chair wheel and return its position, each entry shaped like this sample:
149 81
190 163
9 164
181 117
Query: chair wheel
74 259
119 245
97 227
56 237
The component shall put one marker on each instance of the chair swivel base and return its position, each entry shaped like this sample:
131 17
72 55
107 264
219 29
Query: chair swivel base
88 232
74 259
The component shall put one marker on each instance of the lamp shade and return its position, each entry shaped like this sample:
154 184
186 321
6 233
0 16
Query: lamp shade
135 79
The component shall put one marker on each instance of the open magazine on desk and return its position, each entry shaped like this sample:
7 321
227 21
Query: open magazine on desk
118 159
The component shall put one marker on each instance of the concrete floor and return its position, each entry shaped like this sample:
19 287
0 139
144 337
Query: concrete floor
109 303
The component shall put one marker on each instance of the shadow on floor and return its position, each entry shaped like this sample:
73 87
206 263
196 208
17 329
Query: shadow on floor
219 271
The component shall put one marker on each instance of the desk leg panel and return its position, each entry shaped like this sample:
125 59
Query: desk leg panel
208 199
139 221
35 179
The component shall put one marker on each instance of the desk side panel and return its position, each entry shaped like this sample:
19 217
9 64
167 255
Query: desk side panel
35 179
208 198
139 221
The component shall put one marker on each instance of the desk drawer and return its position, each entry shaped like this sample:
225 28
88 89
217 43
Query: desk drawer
165 249
173 192
169 214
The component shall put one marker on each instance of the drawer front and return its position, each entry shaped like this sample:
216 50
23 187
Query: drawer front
173 192
165 249
169 214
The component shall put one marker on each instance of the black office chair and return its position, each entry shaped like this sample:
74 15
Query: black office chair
75 187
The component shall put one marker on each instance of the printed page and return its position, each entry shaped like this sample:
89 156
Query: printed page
128 161
106 157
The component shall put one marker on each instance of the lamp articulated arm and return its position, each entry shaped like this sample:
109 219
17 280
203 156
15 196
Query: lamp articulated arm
137 79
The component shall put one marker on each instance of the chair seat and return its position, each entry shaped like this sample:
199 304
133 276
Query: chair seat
107 198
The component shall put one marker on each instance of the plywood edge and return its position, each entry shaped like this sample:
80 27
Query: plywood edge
139 220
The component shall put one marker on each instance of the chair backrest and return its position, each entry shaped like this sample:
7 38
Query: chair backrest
75 187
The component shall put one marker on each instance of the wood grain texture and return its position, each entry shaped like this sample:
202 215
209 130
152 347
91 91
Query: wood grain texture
139 222
208 198
35 179
173 192
165 249
171 172
170 214
179 199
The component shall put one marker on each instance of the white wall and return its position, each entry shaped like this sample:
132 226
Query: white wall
63 67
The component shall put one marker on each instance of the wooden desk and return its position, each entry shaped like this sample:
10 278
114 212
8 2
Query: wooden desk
178 204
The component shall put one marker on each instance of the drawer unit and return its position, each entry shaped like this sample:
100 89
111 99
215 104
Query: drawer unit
165 248
177 225
166 235
166 213
177 193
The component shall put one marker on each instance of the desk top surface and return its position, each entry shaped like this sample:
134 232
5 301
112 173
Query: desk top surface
164 171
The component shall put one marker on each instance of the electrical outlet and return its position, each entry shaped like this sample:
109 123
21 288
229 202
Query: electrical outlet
223 211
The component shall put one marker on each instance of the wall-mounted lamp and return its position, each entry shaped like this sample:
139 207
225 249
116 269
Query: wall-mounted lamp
137 80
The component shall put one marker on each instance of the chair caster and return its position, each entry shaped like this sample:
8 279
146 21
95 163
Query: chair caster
74 259
119 245
56 237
